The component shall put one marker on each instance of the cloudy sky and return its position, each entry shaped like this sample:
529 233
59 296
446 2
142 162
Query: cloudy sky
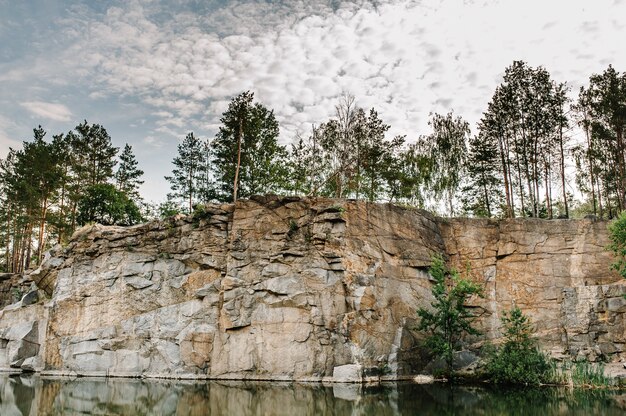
150 71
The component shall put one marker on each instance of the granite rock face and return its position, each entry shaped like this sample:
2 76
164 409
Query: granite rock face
557 271
288 288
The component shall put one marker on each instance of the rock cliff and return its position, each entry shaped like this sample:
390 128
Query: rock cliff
306 289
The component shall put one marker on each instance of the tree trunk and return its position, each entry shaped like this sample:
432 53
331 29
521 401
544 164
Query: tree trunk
486 195
590 162
521 184
7 239
621 192
42 226
239 136
505 172
548 191
29 246
190 189
61 228
565 206
73 211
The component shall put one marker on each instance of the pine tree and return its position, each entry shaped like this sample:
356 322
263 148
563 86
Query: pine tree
247 158
526 118
95 154
187 174
127 177
602 107
481 196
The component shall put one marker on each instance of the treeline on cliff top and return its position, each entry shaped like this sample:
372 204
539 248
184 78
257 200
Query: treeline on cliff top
514 166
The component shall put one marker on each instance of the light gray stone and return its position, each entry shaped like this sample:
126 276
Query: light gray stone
349 373
236 297
137 282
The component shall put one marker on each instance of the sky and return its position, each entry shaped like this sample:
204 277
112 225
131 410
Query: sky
150 71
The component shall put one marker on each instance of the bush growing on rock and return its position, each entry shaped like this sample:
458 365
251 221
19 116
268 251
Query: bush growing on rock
617 234
518 361
104 204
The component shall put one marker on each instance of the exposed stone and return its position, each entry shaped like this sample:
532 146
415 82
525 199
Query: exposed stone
349 373
30 298
424 379
240 292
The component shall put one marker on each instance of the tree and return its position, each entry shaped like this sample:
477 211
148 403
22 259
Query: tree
43 174
89 159
187 174
128 175
527 119
95 154
560 100
377 157
602 163
104 204
481 195
41 185
306 165
349 156
446 149
247 158
449 319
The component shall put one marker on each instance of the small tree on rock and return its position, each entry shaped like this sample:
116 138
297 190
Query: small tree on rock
449 318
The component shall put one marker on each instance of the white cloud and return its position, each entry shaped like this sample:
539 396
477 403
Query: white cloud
407 58
52 111
6 141
401 57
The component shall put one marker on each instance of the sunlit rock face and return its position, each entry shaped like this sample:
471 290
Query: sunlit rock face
288 288
557 271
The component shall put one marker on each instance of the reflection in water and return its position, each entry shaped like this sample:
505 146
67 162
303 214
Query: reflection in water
21 395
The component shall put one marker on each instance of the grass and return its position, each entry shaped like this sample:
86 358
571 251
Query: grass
578 374
586 374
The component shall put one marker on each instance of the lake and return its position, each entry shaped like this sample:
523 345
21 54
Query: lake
33 395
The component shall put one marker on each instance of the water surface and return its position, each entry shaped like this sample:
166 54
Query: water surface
33 395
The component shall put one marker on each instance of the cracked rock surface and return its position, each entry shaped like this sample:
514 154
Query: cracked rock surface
290 288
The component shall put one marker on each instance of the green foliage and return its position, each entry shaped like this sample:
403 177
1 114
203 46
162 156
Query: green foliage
586 374
481 195
519 361
617 235
200 213
188 174
525 121
168 209
449 318
601 170
446 150
349 156
128 175
293 228
106 205
336 208
248 136
94 154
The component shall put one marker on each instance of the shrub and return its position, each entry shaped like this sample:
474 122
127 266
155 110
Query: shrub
293 228
104 204
617 235
519 361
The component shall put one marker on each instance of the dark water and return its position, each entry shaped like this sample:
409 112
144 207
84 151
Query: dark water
39 396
